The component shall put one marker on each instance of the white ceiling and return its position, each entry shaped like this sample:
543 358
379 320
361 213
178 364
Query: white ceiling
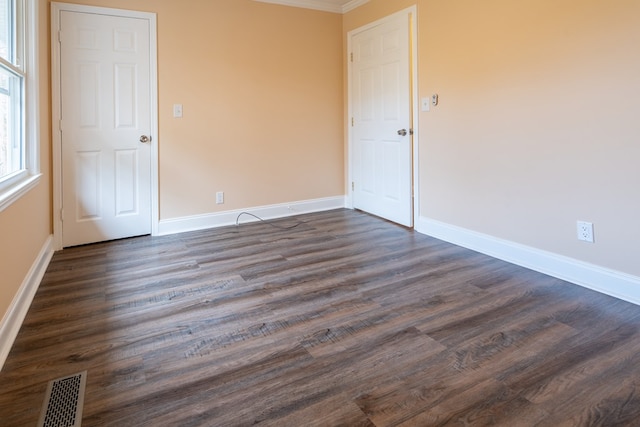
335 6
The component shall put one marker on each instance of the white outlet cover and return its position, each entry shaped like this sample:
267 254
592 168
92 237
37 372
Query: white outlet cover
585 231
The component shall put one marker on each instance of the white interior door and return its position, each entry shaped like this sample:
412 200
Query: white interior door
381 124
105 104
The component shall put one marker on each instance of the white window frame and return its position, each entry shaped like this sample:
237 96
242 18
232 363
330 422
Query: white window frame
14 186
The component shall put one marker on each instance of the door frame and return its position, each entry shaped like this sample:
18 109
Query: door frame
56 111
411 14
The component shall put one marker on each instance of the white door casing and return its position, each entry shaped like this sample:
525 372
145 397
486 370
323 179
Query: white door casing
104 85
382 157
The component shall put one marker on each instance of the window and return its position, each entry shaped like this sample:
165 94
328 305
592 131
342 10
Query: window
18 100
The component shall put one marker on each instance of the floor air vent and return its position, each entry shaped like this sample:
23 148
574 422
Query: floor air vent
63 402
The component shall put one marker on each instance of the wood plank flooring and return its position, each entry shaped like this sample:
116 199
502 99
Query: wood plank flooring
344 320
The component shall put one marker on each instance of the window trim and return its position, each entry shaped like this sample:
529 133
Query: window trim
14 187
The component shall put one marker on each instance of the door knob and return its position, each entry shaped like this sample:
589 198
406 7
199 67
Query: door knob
402 132
145 139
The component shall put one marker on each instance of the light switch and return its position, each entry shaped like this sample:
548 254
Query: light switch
177 110
425 104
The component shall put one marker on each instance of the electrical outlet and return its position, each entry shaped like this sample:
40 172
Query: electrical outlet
585 231
220 197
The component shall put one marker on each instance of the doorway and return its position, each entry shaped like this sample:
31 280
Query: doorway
382 153
105 102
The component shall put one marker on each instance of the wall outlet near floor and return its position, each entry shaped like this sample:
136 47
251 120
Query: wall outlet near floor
220 197
585 231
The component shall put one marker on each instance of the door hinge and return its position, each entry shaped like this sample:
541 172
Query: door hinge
61 214
353 122
60 36
351 56
353 186
60 125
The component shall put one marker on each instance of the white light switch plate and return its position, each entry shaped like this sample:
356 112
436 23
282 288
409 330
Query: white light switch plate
177 110
425 104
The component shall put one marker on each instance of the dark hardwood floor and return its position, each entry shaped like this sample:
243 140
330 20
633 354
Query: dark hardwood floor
345 320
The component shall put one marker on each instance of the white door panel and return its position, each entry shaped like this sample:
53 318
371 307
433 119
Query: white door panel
105 109
381 106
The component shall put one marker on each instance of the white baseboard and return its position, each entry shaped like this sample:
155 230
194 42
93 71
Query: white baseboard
610 282
221 219
13 318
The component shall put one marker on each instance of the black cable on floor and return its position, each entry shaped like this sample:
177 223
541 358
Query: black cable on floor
266 222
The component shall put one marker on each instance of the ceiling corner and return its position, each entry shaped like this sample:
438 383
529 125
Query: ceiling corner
333 6
349 6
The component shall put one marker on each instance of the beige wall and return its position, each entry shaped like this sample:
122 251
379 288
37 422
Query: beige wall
537 125
261 88
536 128
262 91
26 224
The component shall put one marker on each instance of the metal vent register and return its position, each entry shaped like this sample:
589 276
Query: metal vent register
63 402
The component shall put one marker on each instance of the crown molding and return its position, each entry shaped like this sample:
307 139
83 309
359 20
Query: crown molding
352 5
318 5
